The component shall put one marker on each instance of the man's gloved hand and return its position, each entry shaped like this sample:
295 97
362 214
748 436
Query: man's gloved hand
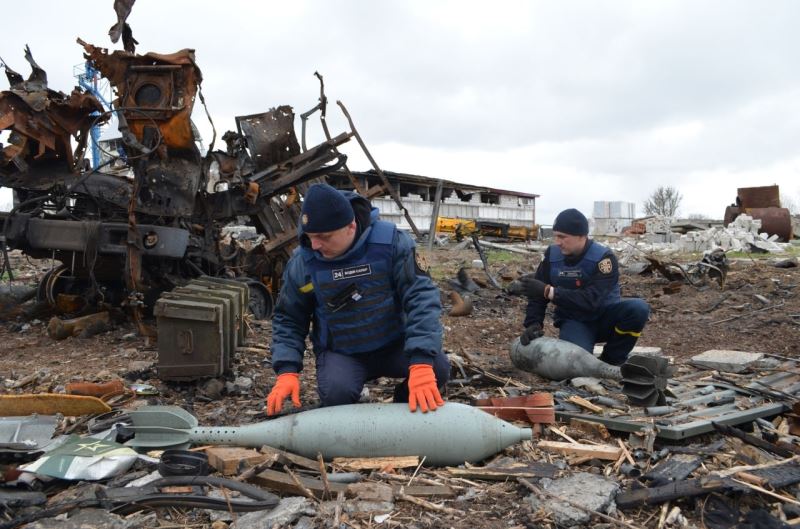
530 333
422 388
532 287
288 384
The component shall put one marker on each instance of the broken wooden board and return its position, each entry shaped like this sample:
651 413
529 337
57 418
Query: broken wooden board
605 452
776 476
673 491
675 468
51 404
509 472
375 463
288 458
282 482
228 459
592 428
585 404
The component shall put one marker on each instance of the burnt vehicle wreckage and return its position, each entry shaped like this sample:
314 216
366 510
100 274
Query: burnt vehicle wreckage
122 240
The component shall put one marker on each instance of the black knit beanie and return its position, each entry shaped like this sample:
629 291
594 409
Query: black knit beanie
571 222
325 209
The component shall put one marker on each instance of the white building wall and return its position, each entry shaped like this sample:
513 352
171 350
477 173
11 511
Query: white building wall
507 211
611 217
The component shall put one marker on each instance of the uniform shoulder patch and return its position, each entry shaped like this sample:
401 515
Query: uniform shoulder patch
605 266
421 264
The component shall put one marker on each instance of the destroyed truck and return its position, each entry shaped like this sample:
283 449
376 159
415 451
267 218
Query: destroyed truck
122 239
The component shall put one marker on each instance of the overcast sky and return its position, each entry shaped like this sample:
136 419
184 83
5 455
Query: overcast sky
576 101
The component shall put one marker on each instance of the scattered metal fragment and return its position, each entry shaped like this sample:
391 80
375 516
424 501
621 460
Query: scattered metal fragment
791 262
84 459
463 283
715 265
536 408
644 379
121 28
676 468
485 262
461 306
697 407
780 448
144 389
83 326
26 434
94 389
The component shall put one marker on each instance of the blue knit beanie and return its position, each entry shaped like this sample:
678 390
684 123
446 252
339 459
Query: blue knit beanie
325 209
571 222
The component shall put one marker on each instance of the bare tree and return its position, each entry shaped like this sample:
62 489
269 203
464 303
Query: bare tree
663 201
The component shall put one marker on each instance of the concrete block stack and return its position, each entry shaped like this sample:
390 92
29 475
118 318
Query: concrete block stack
737 236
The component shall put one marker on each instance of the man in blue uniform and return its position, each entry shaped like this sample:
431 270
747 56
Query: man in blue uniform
581 278
373 311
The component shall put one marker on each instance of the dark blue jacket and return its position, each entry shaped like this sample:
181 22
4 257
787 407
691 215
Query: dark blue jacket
408 298
585 284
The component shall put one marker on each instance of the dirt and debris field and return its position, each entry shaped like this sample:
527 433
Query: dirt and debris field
758 310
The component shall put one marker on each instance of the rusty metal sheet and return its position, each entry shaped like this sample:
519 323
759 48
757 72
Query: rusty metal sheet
270 136
153 89
758 197
774 221
43 122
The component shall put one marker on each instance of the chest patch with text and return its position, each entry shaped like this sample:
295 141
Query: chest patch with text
351 272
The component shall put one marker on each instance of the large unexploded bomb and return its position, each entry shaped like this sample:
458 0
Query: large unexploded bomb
450 435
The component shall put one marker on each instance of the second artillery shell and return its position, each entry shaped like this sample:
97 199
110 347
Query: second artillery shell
558 360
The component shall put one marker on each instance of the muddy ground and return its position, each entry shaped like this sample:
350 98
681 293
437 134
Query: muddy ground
758 309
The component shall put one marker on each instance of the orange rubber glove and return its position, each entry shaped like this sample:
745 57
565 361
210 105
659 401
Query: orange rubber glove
288 384
422 388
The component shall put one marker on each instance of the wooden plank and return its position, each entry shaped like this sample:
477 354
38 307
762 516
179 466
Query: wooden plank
594 428
287 458
751 478
511 472
583 403
376 463
605 452
228 459
425 490
671 491
51 404
282 482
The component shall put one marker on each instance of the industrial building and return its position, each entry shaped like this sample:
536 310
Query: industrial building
463 201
